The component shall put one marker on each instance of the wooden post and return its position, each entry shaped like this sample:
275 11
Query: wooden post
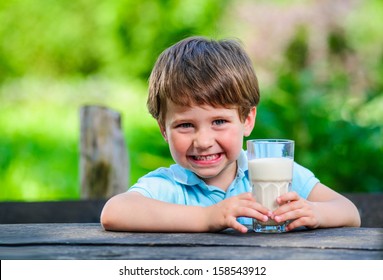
103 155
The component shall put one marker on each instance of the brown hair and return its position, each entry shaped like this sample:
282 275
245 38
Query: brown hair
199 71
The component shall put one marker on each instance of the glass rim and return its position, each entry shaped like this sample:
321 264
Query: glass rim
271 140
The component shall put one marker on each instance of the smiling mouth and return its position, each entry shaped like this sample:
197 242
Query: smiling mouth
206 158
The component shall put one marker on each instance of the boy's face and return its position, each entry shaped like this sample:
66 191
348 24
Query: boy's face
207 140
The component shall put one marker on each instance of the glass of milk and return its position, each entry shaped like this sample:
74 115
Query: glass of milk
270 173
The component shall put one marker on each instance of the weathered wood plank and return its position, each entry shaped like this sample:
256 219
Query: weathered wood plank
93 234
90 241
98 252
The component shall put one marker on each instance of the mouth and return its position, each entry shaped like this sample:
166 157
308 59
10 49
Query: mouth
206 158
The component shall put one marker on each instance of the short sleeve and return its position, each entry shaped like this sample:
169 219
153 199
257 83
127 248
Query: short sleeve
158 185
303 181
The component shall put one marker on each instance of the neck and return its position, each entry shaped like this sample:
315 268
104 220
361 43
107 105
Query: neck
224 179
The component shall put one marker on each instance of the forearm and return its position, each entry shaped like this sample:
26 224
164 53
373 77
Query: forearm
333 209
338 212
134 212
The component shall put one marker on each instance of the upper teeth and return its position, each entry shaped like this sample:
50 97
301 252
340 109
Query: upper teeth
206 157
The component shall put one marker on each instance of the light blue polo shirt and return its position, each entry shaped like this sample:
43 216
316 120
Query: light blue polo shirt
181 186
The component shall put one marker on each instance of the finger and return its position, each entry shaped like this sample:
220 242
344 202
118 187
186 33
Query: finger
246 196
289 206
290 196
298 223
251 213
292 225
237 226
256 206
290 215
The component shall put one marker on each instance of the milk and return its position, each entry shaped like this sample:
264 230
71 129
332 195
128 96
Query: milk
270 178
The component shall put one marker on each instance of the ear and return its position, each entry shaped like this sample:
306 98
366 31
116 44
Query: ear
250 121
163 131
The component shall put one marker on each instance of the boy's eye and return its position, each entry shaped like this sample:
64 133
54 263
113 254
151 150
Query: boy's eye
185 125
219 122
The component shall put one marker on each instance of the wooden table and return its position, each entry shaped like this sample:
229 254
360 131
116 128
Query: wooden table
90 241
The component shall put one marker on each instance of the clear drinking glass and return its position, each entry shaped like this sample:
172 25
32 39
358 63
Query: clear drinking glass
270 173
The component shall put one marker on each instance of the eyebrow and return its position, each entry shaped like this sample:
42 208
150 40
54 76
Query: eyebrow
190 120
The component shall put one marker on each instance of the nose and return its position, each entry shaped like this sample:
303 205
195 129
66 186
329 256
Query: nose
204 139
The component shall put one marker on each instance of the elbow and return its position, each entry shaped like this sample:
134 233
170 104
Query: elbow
108 217
106 220
358 220
119 213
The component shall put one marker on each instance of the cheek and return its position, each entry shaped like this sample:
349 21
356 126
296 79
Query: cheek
177 145
232 142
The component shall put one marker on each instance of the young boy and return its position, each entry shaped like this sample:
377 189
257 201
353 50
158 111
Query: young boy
203 94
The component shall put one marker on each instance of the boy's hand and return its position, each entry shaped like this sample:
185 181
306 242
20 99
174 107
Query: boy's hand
299 211
225 213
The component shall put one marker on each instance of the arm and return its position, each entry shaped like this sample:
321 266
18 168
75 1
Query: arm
132 211
323 208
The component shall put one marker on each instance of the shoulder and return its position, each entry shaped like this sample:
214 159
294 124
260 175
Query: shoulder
162 184
175 174
160 177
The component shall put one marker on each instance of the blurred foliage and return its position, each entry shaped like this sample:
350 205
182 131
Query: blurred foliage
85 37
334 137
56 56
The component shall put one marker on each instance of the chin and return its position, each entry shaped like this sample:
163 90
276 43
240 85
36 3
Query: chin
206 175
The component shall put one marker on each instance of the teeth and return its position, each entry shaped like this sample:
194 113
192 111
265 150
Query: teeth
210 157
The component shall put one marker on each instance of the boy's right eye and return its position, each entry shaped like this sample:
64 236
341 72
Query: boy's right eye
185 125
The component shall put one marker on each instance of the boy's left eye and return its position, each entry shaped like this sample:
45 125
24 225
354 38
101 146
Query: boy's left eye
219 122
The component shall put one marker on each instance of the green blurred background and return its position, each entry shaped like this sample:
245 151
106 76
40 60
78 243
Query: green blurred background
319 63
